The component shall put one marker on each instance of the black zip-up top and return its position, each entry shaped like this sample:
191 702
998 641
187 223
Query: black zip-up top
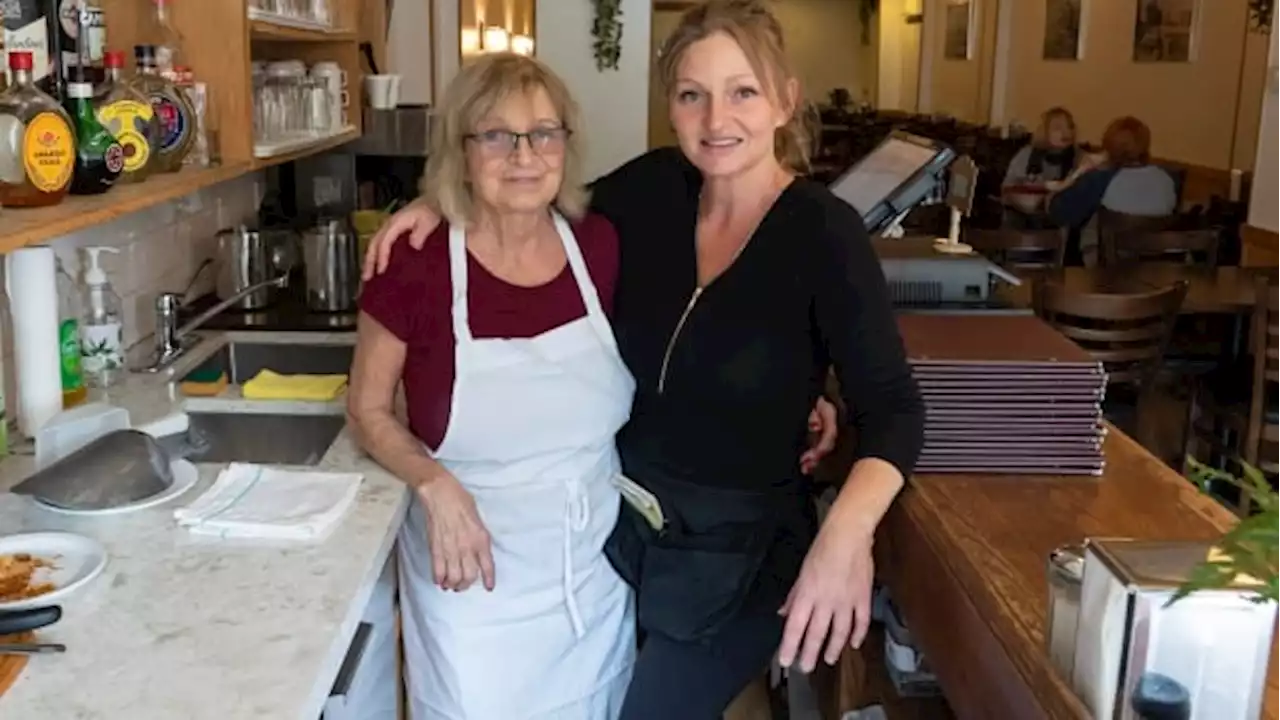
726 374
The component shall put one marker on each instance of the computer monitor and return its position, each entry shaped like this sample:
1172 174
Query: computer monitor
893 178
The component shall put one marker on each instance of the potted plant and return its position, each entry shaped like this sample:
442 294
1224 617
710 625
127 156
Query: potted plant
1249 548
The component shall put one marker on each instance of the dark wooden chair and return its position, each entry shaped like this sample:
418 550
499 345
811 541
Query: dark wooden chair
1112 225
1199 246
1127 333
1242 425
1022 249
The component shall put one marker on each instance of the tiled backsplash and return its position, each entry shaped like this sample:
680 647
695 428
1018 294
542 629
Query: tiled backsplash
160 250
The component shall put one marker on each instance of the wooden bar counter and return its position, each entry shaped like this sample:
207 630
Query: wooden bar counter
964 557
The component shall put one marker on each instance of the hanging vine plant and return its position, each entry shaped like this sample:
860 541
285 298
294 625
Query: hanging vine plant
1261 13
866 13
606 31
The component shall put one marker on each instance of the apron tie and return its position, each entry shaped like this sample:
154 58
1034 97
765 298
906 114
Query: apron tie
577 514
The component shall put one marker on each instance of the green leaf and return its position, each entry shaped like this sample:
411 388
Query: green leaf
1250 547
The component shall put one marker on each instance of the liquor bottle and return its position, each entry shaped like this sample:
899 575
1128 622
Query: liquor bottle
82 38
169 42
127 114
37 162
99 157
32 26
172 109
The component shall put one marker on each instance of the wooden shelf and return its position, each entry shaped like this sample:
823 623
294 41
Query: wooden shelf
29 226
311 148
266 30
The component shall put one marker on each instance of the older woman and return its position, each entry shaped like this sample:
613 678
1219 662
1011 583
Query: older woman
739 285
1049 156
514 390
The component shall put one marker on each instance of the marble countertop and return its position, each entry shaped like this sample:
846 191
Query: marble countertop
180 626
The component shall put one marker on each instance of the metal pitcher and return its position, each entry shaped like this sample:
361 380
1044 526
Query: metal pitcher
331 258
248 257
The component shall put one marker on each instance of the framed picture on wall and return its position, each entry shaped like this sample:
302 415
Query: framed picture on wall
1165 30
1062 29
959 39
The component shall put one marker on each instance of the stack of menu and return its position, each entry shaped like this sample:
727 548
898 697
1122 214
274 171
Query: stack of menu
1005 394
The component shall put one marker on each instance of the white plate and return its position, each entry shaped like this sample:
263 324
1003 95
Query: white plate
185 476
76 560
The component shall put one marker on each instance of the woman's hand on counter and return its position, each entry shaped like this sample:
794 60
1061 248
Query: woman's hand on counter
461 550
830 603
416 219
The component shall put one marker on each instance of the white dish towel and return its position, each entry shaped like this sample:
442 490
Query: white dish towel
255 501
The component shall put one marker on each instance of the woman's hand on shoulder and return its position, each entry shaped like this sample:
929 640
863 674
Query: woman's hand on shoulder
417 220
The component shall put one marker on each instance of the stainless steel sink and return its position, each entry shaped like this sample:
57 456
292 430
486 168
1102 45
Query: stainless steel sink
242 360
261 438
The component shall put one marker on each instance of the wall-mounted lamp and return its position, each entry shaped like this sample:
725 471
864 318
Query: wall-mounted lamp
494 38
522 44
470 41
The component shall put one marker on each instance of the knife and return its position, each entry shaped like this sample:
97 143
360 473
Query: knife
31 648
19 621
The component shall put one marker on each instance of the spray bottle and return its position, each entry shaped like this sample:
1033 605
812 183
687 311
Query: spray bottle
101 332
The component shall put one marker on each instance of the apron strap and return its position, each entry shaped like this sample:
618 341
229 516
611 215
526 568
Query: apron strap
586 287
458 281
577 265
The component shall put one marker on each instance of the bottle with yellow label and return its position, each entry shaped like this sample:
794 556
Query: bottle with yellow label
127 114
37 143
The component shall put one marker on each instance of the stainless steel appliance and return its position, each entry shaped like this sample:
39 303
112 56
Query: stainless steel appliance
1138 656
330 256
249 258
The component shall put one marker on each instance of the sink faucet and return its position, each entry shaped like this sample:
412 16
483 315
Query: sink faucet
170 337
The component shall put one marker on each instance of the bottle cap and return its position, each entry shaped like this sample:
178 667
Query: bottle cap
95 275
113 59
20 60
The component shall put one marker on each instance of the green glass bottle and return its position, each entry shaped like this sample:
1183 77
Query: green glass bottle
99 156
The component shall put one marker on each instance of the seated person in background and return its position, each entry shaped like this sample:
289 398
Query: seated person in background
1050 155
1121 178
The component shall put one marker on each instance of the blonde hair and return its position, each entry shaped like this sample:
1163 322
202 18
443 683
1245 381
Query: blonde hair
757 31
1041 136
477 89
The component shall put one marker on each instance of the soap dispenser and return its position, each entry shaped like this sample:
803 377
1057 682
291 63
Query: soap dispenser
101 333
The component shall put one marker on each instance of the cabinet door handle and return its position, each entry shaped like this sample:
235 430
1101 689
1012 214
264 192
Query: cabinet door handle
351 663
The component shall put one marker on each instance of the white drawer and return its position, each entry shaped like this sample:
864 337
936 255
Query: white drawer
368 683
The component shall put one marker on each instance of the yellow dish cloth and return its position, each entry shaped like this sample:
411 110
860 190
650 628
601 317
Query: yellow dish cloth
269 385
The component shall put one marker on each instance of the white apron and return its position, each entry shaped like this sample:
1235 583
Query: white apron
531 437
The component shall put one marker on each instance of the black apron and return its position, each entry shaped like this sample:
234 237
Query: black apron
721 552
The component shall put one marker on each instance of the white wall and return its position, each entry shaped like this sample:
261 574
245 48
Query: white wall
1263 198
614 102
160 249
408 53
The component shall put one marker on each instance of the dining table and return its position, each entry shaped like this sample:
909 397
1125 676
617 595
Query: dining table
1225 290
964 558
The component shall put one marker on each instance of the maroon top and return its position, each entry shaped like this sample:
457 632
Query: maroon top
412 299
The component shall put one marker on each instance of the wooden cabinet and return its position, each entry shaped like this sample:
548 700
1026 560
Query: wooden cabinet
219 43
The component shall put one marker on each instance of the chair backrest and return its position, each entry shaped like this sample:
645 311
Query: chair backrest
1262 438
1127 333
1029 249
1111 223
1199 246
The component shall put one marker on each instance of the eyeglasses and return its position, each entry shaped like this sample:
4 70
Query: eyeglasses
505 142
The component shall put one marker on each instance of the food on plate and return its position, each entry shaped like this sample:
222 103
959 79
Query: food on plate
17 577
